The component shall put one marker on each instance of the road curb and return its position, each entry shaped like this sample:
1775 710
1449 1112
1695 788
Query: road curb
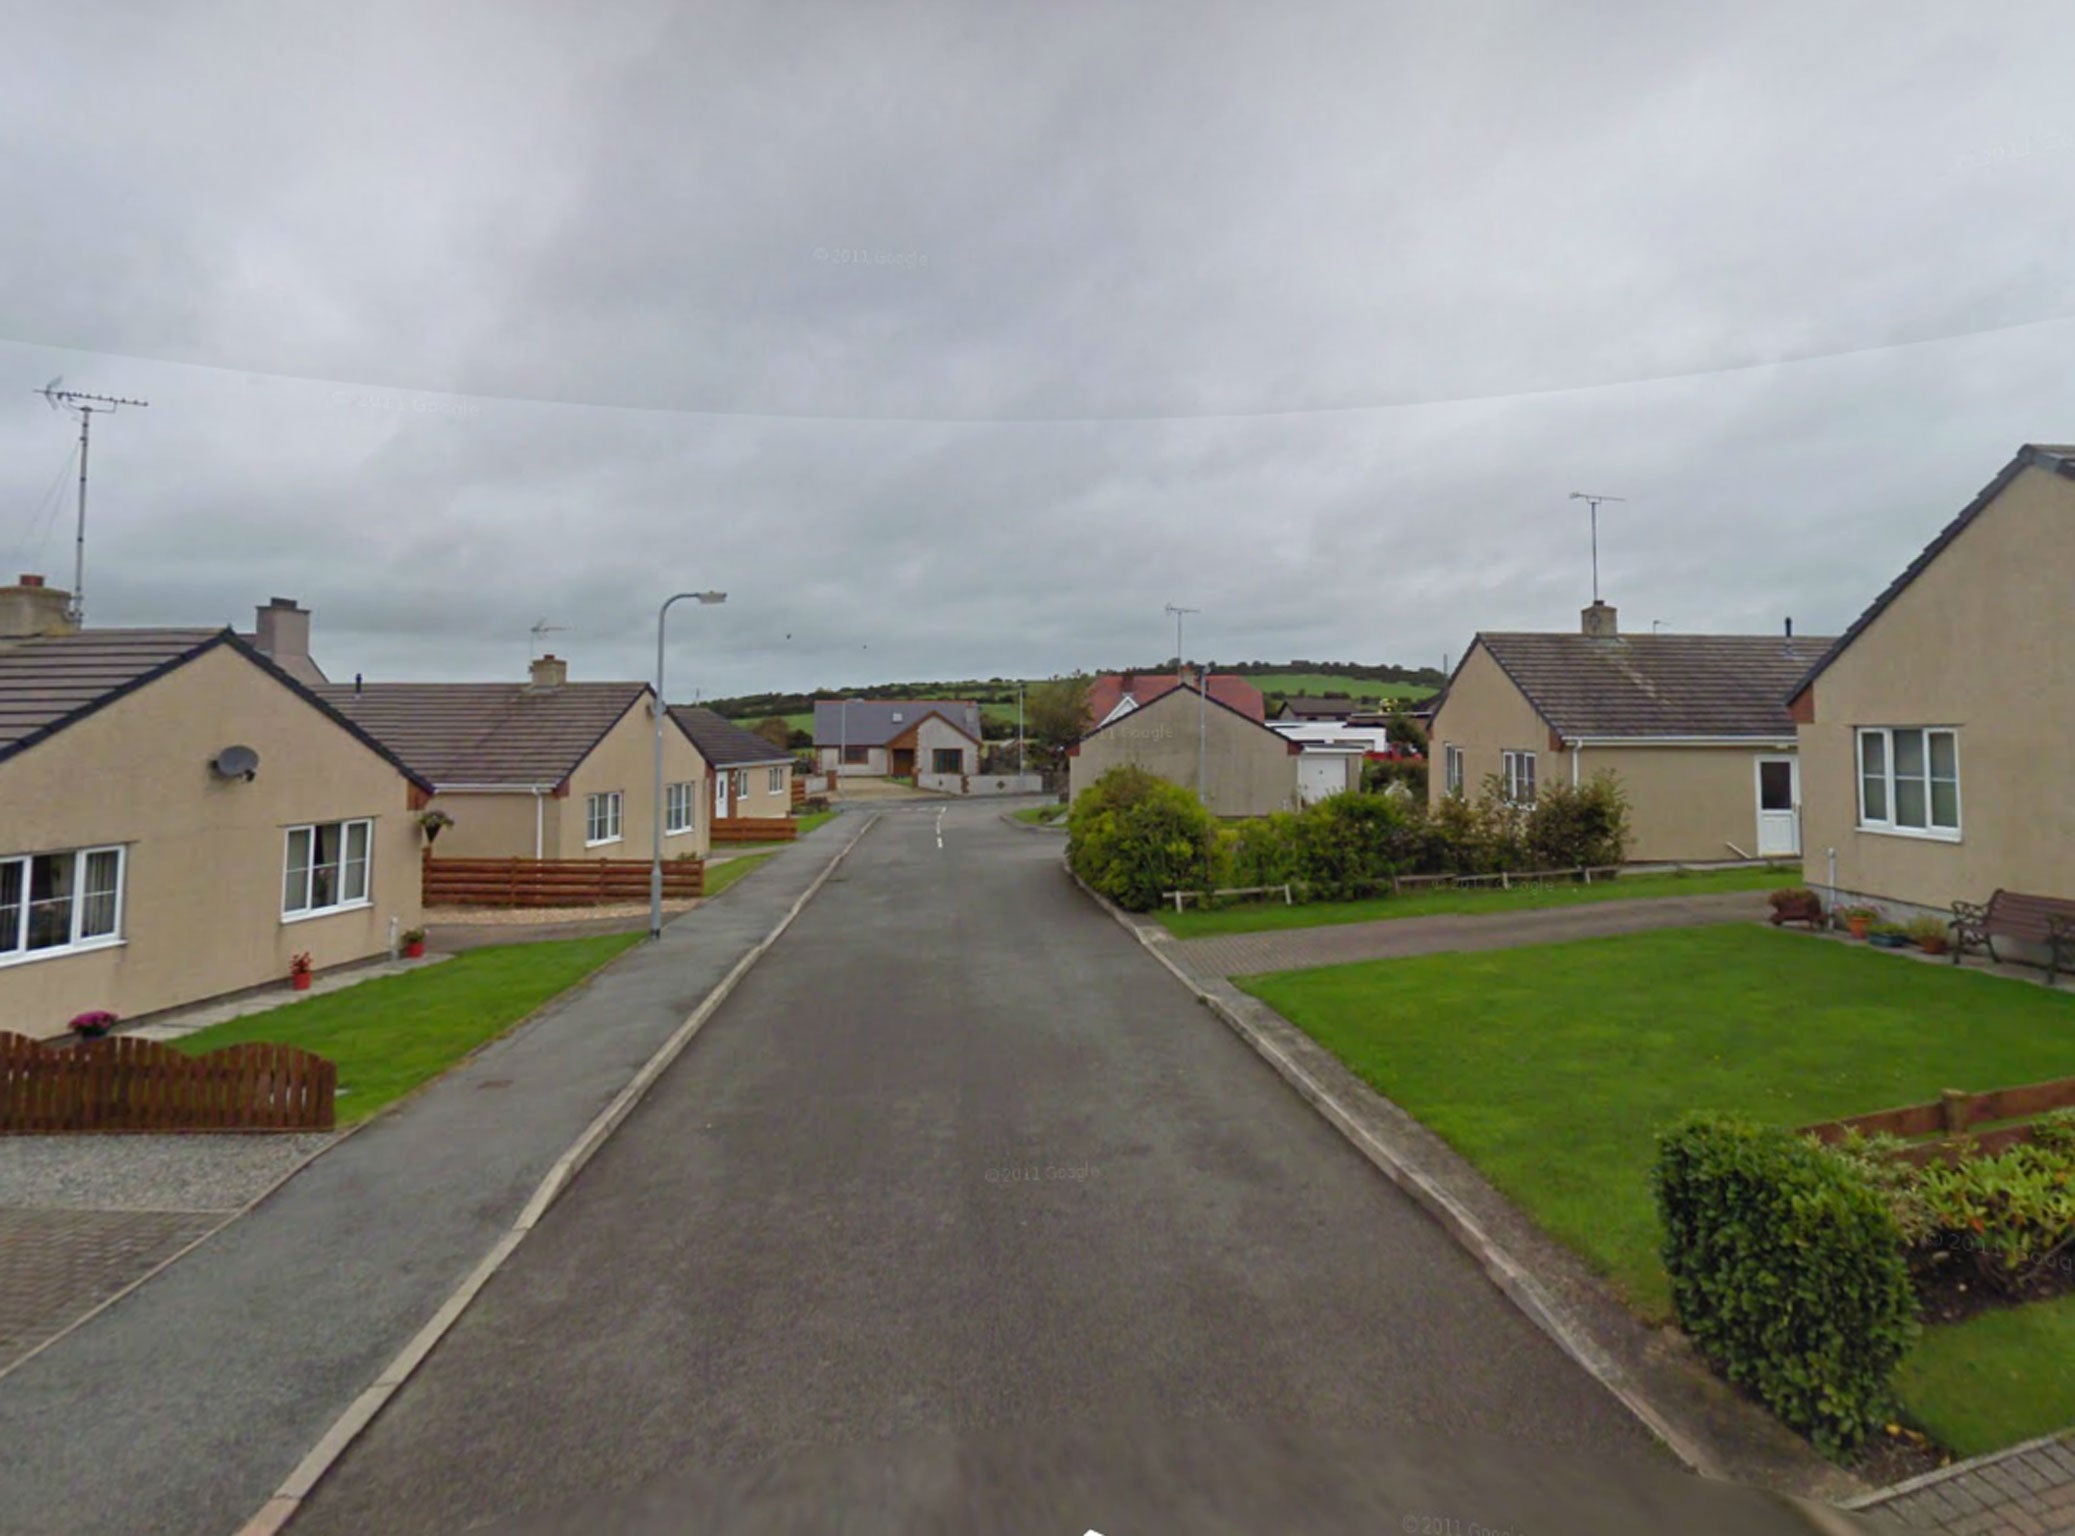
1353 1112
281 1508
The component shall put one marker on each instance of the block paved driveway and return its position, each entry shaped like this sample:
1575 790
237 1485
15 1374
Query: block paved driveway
957 1155
1296 949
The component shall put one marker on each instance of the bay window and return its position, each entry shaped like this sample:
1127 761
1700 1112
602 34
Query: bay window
1909 780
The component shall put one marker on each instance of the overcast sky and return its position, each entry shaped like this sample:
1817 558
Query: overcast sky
458 317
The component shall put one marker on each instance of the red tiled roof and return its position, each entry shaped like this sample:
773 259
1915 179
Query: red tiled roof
1111 688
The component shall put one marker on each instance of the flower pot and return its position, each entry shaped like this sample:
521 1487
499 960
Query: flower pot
300 980
1936 946
1857 926
91 1031
414 950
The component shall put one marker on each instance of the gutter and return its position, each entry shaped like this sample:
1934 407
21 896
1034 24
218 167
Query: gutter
1769 743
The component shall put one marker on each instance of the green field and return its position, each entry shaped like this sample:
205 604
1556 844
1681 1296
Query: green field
1314 684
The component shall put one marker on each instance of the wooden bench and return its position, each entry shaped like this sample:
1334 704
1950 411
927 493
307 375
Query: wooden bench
2047 921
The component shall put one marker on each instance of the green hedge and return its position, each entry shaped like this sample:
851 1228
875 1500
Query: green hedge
1133 837
1787 1271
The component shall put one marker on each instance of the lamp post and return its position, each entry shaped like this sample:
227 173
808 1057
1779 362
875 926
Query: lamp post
655 872
1019 731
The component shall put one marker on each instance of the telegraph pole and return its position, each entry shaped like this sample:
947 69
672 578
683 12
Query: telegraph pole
86 407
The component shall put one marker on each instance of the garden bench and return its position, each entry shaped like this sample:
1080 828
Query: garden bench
2048 921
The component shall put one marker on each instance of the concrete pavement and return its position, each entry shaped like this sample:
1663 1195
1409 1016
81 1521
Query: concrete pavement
180 1409
958 1155
1297 949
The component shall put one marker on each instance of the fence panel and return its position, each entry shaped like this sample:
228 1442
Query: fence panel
554 882
756 829
124 1083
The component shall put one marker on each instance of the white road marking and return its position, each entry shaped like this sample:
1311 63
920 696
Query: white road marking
940 824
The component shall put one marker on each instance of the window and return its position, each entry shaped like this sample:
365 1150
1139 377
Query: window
52 902
1909 781
742 784
1452 770
680 808
602 818
947 760
774 780
326 868
856 755
1520 777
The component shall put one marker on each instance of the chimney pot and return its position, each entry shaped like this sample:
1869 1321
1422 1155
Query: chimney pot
31 581
1599 620
1790 629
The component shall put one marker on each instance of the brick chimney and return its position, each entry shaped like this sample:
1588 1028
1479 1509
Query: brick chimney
1598 620
549 672
31 608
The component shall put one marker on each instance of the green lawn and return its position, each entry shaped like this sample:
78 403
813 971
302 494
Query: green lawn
1996 1379
390 1035
1256 916
1553 1067
720 876
813 819
1039 815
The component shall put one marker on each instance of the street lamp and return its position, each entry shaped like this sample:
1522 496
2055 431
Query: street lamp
655 872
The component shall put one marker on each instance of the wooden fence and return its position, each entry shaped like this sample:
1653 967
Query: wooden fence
799 791
554 882
1948 1120
126 1084
756 829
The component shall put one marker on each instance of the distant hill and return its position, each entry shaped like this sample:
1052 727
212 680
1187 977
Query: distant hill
996 696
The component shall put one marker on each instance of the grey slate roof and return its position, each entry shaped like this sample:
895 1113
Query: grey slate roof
1657 685
487 733
723 743
2054 458
52 681
874 722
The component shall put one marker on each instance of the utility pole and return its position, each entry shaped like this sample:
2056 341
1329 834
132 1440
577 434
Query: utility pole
1593 502
1019 730
86 407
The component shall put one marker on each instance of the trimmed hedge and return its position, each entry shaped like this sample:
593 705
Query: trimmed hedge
1132 837
1787 1271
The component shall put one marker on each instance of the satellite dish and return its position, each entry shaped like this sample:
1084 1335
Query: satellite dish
236 763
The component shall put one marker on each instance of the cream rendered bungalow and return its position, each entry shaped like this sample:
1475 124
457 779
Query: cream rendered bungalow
1695 726
545 769
1934 732
1241 766
179 817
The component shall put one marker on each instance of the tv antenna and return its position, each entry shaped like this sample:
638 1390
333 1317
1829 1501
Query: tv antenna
1594 501
1178 612
544 628
86 408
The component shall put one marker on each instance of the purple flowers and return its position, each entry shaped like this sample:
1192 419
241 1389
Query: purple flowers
93 1024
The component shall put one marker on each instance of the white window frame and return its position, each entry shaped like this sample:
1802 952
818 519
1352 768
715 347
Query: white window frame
366 898
613 806
75 942
1451 769
680 809
741 785
1511 762
774 780
1887 825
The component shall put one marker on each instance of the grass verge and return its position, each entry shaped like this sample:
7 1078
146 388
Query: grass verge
720 876
1258 917
391 1034
1996 1379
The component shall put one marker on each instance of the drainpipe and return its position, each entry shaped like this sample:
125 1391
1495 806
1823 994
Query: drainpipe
1574 764
539 822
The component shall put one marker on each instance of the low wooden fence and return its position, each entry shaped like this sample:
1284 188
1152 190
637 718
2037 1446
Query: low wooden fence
126 1084
756 829
1947 1121
554 882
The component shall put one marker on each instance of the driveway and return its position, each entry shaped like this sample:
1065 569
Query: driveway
957 1156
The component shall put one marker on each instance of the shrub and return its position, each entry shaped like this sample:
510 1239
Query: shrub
1261 851
1380 776
1132 837
1926 931
1876 1159
1349 845
1787 1271
1573 828
2056 1129
1476 837
2014 1213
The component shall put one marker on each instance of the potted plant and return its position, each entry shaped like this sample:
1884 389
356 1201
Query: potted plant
1796 904
432 823
92 1024
1930 935
1884 935
413 940
1858 920
299 968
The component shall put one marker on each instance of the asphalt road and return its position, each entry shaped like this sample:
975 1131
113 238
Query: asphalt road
956 1158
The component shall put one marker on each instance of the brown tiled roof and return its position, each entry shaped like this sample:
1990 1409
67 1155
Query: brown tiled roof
1295 747
2054 458
52 681
723 743
487 733
1657 685
1111 688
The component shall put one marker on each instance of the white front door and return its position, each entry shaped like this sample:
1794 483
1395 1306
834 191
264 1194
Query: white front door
1779 807
720 795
